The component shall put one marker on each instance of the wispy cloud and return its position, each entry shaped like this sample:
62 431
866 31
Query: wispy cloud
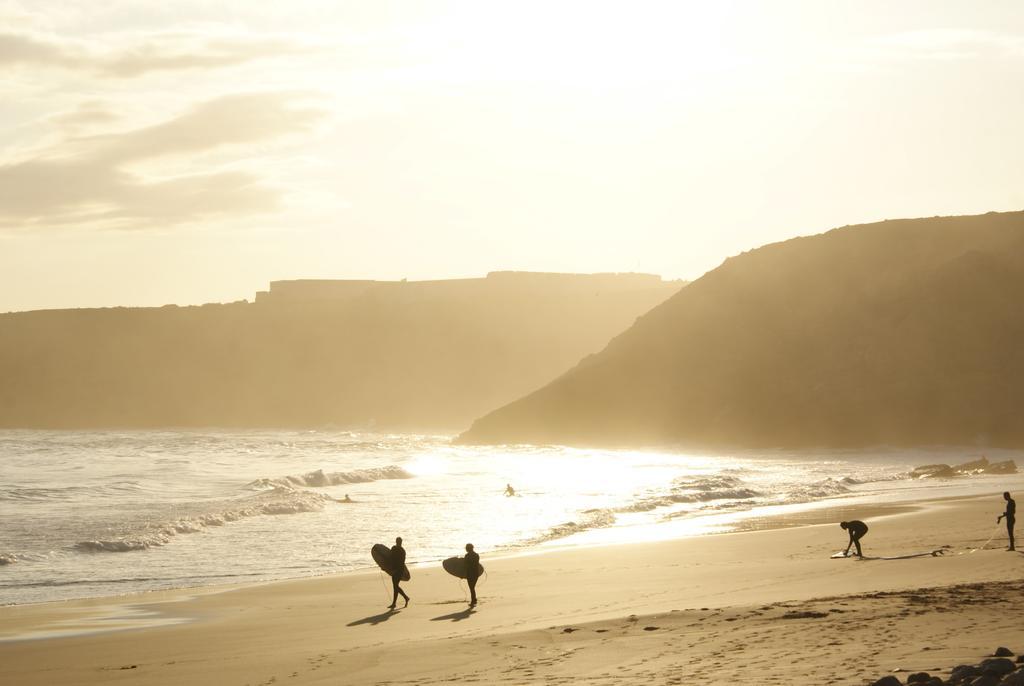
86 115
96 182
127 57
935 45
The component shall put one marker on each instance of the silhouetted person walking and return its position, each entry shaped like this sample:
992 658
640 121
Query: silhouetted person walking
472 572
397 569
857 530
1011 516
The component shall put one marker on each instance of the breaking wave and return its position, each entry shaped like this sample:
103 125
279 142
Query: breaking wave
590 519
722 490
321 479
699 490
851 481
826 488
281 500
706 493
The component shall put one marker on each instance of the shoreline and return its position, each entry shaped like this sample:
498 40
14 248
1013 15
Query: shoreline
82 546
781 517
809 513
251 632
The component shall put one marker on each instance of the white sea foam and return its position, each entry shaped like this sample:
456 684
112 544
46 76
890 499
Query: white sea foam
826 488
589 519
281 500
725 491
708 492
695 490
320 479
881 478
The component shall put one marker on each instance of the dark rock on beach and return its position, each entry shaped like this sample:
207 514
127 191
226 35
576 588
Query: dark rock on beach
998 666
980 466
993 671
973 467
1014 679
932 471
1002 652
962 673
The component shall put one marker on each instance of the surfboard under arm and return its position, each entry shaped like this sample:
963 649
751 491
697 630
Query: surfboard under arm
938 552
382 556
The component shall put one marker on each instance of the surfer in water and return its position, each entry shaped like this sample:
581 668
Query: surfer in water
857 530
509 491
397 567
1011 517
472 572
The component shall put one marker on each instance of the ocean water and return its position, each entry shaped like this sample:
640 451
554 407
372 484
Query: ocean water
101 513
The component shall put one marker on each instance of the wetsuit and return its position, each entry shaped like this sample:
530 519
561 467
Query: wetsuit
472 574
1011 518
857 531
397 569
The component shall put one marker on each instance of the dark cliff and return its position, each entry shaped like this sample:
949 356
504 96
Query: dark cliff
901 332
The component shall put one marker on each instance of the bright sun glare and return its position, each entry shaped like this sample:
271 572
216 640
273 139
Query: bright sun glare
582 46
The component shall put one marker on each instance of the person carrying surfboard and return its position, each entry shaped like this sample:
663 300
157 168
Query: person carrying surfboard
397 569
1011 517
857 531
472 572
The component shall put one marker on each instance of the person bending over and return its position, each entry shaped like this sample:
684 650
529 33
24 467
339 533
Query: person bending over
1011 517
472 572
857 530
397 569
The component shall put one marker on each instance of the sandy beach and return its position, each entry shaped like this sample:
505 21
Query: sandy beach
765 606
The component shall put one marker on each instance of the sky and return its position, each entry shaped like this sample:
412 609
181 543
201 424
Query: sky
193 151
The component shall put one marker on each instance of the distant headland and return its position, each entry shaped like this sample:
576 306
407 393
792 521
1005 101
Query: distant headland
904 332
402 355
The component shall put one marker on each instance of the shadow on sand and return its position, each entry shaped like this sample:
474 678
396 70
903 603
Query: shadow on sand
455 616
375 619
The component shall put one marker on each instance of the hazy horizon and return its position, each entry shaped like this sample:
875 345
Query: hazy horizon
188 154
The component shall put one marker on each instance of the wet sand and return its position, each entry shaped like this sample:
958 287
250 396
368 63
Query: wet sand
766 606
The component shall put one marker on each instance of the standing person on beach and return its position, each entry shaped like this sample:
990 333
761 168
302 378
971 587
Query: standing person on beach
1011 516
857 530
472 572
397 569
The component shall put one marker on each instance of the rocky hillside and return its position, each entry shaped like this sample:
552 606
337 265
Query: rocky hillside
906 332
